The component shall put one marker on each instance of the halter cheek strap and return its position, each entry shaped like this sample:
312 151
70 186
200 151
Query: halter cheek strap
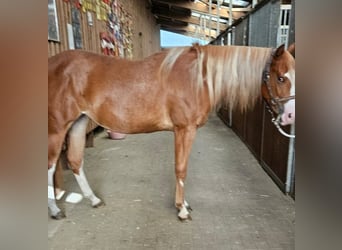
279 102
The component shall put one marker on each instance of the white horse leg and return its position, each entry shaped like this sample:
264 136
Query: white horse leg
84 185
56 213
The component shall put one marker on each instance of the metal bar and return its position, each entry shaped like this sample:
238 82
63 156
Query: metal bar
218 19
209 25
233 35
290 163
230 22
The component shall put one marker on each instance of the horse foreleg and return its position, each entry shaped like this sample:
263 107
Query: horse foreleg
183 141
76 143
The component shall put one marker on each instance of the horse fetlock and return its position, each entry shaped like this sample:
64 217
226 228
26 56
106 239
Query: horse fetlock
181 175
60 215
95 202
55 212
178 205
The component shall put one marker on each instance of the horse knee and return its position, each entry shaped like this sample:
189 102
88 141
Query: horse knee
181 174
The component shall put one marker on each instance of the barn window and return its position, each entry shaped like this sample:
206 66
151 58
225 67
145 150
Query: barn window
53 32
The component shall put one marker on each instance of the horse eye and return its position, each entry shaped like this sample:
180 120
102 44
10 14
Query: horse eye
281 79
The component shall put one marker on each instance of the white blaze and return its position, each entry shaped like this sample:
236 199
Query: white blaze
288 117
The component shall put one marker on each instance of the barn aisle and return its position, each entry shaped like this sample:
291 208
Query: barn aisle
235 204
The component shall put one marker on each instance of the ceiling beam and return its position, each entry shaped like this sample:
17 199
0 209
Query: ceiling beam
247 9
190 29
197 7
226 8
185 33
195 21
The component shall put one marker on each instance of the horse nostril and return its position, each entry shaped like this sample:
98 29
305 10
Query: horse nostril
290 115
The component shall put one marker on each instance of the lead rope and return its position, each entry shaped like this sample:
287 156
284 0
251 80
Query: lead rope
275 121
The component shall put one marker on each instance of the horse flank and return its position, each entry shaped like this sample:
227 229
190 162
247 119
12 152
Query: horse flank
232 74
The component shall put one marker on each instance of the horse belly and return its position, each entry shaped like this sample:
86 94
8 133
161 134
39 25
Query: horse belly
132 121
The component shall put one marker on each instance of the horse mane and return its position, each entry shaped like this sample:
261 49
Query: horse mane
232 74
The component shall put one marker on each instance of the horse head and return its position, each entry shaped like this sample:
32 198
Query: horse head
278 88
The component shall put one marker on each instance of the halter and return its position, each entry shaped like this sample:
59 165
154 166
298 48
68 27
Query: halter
279 102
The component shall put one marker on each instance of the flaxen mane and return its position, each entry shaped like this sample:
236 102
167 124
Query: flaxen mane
233 74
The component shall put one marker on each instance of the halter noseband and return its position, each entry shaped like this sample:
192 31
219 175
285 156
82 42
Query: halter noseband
279 102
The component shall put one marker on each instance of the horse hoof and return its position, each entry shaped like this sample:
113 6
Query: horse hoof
185 219
184 214
60 215
100 204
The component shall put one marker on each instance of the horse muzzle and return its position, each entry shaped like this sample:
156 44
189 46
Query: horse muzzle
288 116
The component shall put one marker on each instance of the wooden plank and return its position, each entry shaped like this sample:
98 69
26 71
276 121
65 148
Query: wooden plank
254 119
239 123
274 151
190 30
49 49
52 51
226 6
83 29
64 37
197 7
94 35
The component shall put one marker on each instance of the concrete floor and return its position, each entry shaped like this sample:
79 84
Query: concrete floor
235 204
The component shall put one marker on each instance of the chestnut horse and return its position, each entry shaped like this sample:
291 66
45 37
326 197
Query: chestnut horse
172 91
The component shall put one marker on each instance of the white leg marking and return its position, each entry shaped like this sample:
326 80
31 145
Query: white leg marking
183 213
84 185
51 194
74 198
60 193
51 172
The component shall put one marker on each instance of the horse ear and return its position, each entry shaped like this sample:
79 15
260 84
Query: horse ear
279 51
292 50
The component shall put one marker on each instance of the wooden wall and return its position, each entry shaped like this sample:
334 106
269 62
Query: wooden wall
90 34
146 31
262 138
146 36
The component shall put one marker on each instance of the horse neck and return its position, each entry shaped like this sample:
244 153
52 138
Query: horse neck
233 74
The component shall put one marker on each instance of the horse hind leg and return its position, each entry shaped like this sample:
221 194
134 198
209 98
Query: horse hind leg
55 211
76 144
58 178
55 145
